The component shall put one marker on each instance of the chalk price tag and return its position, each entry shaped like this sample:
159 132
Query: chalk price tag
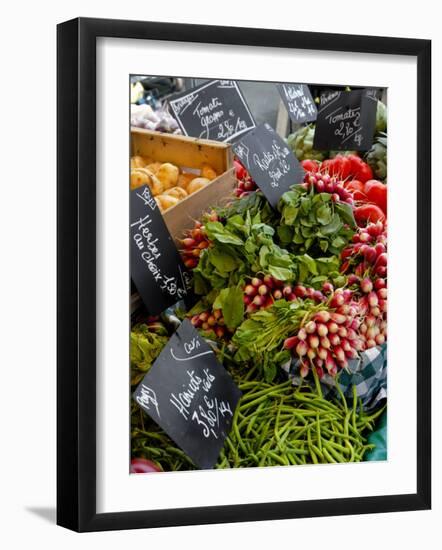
156 266
269 161
190 395
216 110
346 121
298 102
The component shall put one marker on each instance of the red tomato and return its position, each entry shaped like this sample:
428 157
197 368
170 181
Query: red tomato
310 165
368 213
355 163
143 466
240 171
343 166
376 192
356 188
364 173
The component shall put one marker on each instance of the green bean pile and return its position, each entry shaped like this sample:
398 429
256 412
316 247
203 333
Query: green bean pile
272 425
280 425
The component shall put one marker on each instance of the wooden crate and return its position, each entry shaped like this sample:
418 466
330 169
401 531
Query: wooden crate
188 152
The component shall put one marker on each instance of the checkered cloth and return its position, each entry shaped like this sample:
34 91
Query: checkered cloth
368 374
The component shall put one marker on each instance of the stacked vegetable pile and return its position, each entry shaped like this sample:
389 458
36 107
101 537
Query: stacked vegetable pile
305 286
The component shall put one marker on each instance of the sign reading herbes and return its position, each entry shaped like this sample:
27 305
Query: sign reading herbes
216 110
190 395
156 267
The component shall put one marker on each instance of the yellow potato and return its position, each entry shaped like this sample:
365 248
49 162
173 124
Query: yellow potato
185 178
177 192
197 184
139 162
168 175
208 172
143 176
166 201
154 167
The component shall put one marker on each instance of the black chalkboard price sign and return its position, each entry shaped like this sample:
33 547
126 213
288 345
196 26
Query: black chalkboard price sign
190 395
156 267
346 121
298 102
216 110
269 161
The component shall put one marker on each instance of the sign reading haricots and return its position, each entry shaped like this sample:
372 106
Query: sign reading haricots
190 395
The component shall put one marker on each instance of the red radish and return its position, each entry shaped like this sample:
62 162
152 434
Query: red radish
322 353
250 290
325 342
318 296
277 294
258 300
143 466
330 365
251 308
352 279
370 343
211 321
322 329
246 299
313 340
370 321
311 353
327 287
351 353
268 280
301 348
256 282
220 332
372 299
334 340
381 271
338 318
332 327
375 311
262 289
380 283
366 285
310 327
344 309
322 316
339 353
287 290
291 342
302 334
380 339
342 332
303 370
300 291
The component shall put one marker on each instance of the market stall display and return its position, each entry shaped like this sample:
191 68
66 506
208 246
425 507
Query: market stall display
291 298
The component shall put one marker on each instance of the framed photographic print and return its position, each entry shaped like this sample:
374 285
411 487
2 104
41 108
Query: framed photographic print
243 274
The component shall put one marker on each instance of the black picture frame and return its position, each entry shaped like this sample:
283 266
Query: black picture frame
76 274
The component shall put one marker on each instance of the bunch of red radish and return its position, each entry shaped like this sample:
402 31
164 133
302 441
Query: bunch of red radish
368 252
245 183
211 321
260 293
372 306
195 242
325 183
329 338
